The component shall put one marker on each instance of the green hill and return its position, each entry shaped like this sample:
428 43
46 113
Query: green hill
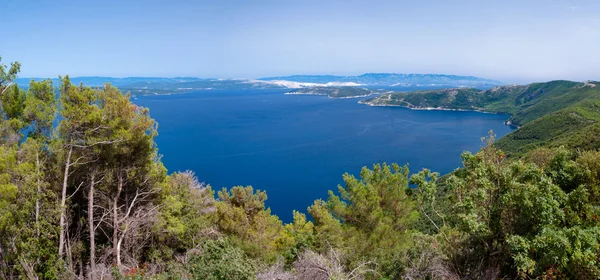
577 126
548 114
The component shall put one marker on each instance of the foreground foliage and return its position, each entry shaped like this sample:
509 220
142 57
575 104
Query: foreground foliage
84 195
519 218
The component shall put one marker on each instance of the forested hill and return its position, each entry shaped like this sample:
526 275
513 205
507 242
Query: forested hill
548 114
84 195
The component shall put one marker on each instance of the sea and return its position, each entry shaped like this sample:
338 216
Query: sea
297 147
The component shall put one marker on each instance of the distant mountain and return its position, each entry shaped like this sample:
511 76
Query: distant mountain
128 81
160 85
393 79
164 85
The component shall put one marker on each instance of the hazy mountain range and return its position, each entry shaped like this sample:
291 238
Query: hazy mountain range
392 79
159 85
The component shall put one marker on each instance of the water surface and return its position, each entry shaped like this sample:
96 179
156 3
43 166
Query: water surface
297 147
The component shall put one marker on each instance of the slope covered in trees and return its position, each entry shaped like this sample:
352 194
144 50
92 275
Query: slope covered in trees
84 195
549 114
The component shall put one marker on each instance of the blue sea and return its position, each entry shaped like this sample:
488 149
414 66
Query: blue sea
297 147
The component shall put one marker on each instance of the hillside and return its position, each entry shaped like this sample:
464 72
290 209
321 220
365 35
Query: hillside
576 126
548 114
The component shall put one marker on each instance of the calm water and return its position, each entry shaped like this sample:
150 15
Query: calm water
297 147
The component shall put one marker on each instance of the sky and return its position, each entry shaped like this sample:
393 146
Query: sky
507 40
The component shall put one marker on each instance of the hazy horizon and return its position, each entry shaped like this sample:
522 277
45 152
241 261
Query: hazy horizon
509 41
298 74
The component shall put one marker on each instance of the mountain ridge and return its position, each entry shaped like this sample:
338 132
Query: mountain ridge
293 81
392 79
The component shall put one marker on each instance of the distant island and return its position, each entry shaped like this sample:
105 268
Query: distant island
394 80
334 92
161 85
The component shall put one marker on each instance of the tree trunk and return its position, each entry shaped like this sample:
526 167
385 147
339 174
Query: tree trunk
29 270
116 247
39 192
63 201
119 248
4 266
91 227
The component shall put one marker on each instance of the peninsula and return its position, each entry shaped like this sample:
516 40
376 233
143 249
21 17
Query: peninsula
556 113
333 92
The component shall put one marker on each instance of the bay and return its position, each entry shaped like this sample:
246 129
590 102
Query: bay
297 147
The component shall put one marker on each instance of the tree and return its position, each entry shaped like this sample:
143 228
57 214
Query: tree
27 229
13 102
39 113
106 140
297 237
80 117
186 218
12 122
513 214
134 174
241 213
27 225
40 109
376 214
8 75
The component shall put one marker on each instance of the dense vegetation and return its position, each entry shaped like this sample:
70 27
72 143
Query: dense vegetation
549 114
83 194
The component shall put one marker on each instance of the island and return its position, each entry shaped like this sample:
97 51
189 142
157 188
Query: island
333 92
393 80
301 84
441 99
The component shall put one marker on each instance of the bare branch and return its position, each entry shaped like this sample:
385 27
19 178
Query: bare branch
76 162
7 86
138 195
97 143
106 213
78 187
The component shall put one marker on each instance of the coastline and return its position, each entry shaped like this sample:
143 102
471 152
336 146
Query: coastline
324 94
426 108
304 93
348 97
507 122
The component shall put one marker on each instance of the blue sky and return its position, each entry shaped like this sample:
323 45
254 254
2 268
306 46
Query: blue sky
509 40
